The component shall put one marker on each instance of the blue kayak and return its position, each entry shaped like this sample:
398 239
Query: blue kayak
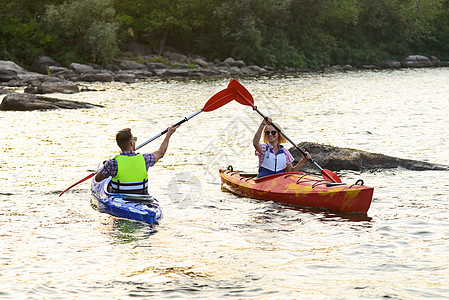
143 208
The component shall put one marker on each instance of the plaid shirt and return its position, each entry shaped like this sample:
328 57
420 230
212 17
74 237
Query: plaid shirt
288 155
110 167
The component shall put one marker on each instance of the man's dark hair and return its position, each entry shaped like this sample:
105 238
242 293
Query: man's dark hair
123 137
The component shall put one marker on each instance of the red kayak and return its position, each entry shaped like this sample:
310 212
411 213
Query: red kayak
300 189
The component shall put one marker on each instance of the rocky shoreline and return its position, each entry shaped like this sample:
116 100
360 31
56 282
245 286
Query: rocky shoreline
48 76
51 72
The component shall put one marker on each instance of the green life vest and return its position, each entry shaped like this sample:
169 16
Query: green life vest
132 176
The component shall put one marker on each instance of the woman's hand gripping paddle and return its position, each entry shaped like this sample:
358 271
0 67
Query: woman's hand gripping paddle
216 101
244 97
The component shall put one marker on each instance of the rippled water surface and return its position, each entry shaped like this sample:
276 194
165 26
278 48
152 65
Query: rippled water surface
212 244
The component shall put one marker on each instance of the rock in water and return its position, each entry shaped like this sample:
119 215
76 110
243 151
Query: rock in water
336 158
17 101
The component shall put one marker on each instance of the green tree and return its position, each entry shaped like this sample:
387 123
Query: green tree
179 23
21 37
257 32
317 25
387 29
87 26
435 43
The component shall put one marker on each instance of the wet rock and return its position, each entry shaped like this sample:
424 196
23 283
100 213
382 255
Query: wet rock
155 66
26 77
201 63
436 62
7 75
22 74
9 65
141 74
239 64
336 158
52 85
235 71
416 61
96 76
230 61
125 77
80 68
245 71
24 102
391 64
369 67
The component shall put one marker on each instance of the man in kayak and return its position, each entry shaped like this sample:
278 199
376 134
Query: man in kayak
273 157
129 170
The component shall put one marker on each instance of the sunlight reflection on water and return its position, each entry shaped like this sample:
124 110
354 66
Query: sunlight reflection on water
221 245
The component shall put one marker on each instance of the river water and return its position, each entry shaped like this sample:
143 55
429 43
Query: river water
212 244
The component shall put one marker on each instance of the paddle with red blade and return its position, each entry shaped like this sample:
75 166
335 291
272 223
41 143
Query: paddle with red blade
243 96
218 100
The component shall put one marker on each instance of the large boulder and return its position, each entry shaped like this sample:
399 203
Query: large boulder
80 68
52 85
9 65
23 76
42 64
336 158
7 75
416 61
24 102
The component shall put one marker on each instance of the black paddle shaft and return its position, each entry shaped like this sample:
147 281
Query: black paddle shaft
166 130
288 139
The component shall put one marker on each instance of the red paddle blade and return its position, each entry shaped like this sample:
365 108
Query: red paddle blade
242 95
329 175
84 179
218 100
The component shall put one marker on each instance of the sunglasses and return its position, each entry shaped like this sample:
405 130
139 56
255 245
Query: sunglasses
271 132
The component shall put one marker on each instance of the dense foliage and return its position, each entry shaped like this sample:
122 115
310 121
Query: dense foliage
280 33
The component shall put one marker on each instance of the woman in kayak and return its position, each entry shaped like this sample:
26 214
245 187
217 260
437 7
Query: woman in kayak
273 157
